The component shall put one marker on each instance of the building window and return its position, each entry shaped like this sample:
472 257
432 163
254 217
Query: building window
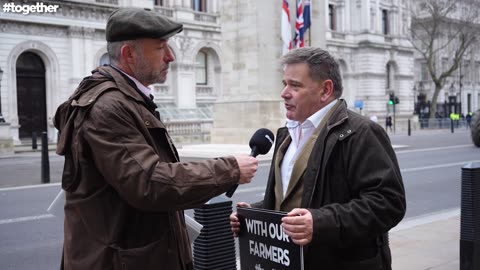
332 18
104 60
159 2
385 22
199 5
201 68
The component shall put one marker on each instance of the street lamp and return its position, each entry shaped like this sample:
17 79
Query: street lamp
2 120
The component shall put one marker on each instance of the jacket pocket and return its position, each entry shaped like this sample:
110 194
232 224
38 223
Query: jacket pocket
374 263
156 255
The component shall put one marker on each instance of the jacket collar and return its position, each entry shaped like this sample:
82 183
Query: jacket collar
124 84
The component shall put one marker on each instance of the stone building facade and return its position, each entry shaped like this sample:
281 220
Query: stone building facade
368 37
226 81
43 57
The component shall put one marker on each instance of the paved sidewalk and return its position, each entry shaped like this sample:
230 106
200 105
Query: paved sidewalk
431 242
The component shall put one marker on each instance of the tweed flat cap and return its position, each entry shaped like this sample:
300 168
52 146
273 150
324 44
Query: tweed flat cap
134 23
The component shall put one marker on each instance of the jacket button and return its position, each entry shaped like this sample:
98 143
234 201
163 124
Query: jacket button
147 123
349 131
341 135
90 101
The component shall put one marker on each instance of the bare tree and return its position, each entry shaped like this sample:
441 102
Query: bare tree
443 30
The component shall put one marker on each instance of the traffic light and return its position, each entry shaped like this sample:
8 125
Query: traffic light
391 99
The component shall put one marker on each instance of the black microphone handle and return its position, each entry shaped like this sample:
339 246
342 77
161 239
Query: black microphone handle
230 192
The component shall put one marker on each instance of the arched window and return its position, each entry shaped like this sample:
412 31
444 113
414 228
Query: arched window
201 68
104 60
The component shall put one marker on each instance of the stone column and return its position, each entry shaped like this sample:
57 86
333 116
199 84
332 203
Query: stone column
251 77
185 95
318 28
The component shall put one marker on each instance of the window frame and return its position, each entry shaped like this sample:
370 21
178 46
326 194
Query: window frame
199 66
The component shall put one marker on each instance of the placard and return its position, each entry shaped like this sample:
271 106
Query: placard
263 242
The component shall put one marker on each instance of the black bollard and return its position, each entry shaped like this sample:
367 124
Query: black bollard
34 140
470 218
45 162
409 129
214 248
451 124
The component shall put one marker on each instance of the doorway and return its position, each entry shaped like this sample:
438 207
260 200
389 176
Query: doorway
31 97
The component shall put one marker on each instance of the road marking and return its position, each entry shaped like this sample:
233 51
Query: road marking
250 189
435 148
30 186
426 219
438 166
23 219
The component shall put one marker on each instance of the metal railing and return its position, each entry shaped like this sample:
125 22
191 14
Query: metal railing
441 123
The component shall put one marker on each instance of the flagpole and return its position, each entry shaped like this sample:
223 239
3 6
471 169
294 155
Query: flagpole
310 36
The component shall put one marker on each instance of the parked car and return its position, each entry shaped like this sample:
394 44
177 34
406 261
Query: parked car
475 128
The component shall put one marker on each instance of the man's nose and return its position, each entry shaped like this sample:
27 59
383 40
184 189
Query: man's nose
169 57
285 94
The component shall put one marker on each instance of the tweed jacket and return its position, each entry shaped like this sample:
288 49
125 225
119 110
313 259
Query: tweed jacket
125 187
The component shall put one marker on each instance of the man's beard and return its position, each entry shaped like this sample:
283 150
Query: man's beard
144 73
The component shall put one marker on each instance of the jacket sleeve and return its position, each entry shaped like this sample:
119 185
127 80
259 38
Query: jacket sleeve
130 165
376 196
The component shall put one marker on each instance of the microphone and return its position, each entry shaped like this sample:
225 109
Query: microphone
260 143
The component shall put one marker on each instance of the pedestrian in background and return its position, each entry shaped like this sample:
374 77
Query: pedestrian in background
334 171
388 123
125 186
468 118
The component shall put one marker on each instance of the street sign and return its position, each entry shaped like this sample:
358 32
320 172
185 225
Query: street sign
358 104
263 242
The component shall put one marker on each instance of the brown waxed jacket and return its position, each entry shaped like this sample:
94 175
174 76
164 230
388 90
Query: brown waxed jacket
125 187
354 190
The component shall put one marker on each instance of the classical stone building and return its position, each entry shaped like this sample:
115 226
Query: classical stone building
252 77
226 81
369 40
44 55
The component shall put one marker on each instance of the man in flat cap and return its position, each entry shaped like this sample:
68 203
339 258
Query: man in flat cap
125 187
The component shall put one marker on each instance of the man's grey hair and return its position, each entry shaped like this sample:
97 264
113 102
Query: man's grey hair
321 64
114 49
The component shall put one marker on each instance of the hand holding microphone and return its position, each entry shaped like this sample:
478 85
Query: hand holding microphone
248 167
260 143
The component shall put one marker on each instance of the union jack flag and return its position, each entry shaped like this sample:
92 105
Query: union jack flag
286 28
303 22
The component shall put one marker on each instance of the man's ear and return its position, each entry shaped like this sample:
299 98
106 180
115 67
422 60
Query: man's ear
127 53
327 87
